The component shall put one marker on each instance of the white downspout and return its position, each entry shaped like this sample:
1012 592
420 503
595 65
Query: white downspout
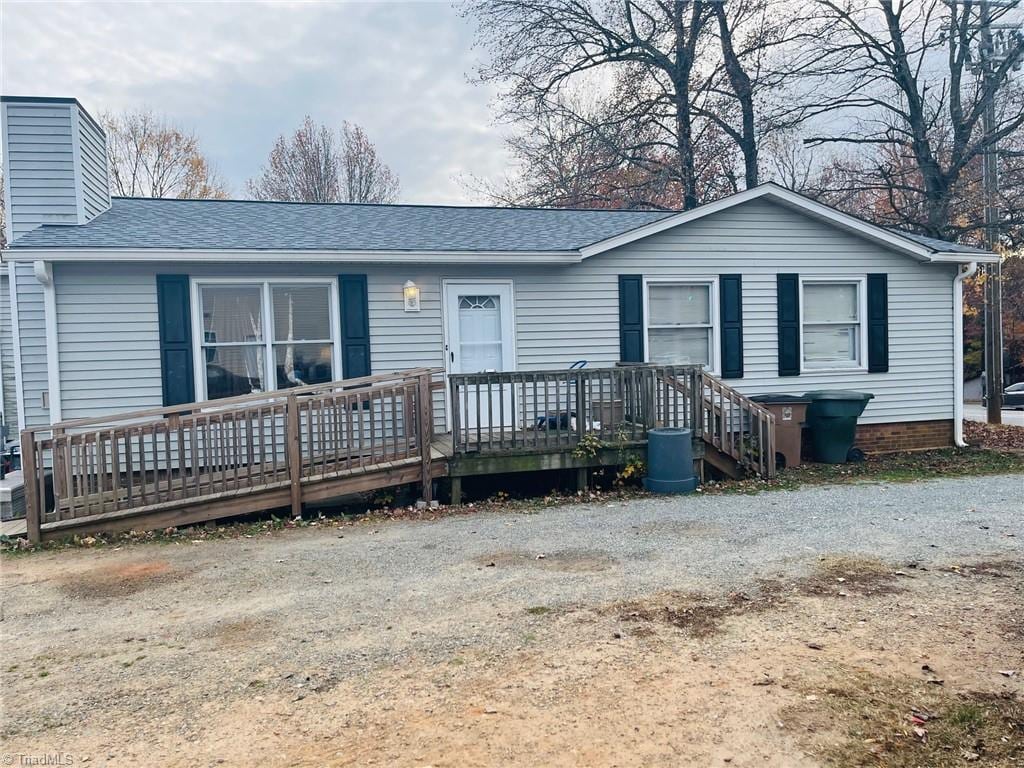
958 351
44 274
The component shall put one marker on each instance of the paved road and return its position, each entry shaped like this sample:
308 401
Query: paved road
976 412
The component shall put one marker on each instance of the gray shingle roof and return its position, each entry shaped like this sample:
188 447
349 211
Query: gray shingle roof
140 223
939 245
154 223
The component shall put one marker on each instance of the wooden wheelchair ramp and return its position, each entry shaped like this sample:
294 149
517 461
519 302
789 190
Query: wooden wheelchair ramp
196 462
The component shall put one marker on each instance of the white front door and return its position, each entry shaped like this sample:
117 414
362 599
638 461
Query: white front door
478 339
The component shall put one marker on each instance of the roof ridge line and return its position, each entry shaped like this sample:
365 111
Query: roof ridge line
392 205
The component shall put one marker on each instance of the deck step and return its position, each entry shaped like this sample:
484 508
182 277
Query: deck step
724 463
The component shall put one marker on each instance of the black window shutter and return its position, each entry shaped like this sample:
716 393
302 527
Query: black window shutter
631 318
788 298
355 326
175 321
730 289
878 323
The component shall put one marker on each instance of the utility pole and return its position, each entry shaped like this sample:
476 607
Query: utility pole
993 292
994 51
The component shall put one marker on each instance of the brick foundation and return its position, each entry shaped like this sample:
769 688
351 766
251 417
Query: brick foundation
904 436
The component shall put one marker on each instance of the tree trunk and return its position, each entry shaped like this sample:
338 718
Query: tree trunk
744 92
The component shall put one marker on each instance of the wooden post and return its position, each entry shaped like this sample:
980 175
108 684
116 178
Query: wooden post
581 479
456 490
33 502
425 422
293 451
581 406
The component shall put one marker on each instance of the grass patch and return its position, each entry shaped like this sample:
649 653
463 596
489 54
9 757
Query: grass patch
700 615
538 610
842 576
888 468
905 723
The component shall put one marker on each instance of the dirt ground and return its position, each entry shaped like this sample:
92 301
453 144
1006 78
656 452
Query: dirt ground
848 661
773 676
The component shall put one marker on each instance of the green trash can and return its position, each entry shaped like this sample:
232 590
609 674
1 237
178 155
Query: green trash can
832 420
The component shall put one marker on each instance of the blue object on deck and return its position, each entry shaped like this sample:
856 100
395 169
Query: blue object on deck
670 461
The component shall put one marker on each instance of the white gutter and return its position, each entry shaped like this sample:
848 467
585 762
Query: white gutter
180 255
952 257
958 352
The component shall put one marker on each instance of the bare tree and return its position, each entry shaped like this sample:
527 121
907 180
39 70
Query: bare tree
685 73
364 176
151 157
542 47
301 168
790 164
571 155
902 89
319 165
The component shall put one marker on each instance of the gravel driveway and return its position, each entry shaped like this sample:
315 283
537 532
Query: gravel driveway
447 578
156 626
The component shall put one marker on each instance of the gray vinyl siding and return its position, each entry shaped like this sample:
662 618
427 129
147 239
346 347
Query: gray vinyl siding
107 313
578 305
10 401
41 171
112 309
32 337
92 155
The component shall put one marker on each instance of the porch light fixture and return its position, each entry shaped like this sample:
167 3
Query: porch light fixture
411 293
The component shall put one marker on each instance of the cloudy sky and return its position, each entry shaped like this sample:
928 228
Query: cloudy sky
240 74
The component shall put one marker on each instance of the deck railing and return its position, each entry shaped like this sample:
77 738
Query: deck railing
527 410
542 410
146 460
737 426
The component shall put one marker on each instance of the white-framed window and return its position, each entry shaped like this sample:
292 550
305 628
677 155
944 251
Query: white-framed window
256 335
682 321
832 327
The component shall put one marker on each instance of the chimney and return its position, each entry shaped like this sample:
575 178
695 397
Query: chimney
55 163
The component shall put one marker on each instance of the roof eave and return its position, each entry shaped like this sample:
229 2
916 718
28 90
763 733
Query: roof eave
185 255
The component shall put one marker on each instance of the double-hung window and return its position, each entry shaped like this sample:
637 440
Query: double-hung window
832 324
263 335
680 323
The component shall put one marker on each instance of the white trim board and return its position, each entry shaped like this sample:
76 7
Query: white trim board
19 381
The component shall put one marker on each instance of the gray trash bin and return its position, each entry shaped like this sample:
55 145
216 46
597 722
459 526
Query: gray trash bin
670 461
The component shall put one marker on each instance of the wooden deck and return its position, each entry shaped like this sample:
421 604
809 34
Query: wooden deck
201 461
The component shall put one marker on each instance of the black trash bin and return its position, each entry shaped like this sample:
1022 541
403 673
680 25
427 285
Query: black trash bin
832 419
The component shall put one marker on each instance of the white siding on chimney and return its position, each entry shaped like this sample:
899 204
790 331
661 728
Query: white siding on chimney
40 164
